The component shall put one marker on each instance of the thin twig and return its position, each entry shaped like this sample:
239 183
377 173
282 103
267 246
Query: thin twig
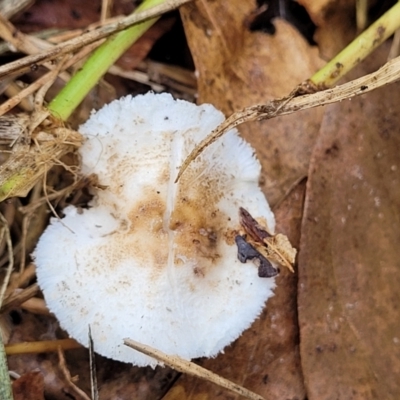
74 390
28 44
14 101
41 93
29 208
106 6
92 367
10 258
190 368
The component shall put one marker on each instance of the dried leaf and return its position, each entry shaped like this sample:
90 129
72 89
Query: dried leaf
243 68
29 327
138 52
29 386
281 251
335 24
276 248
67 14
349 255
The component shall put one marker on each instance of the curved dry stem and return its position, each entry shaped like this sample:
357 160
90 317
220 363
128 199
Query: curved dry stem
389 73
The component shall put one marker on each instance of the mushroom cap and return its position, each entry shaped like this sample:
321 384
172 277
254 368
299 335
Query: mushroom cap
153 260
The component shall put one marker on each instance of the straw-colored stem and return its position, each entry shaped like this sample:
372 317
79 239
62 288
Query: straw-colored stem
97 65
358 49
42 346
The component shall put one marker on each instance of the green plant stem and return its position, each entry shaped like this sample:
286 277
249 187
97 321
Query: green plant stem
5 383
358 49
97 65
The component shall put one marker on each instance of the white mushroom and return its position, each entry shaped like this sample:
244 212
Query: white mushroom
153 260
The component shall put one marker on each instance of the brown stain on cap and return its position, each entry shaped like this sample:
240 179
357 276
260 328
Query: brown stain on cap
197 225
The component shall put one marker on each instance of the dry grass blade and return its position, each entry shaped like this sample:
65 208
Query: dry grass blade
92 366
26 167
6 234
190 368
28 44
16 299
25 43
43 80
9 8
12 127
389 73
72 45
69 380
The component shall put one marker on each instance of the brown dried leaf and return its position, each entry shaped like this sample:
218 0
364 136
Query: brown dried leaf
239 68
138 52
67 14
349 255
29 328
29 386
335 24
273 247
281 250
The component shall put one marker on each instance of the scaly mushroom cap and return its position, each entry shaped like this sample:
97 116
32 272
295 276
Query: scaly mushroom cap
153 260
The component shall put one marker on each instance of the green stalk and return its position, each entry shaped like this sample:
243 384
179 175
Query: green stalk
358 49
97 65
5 383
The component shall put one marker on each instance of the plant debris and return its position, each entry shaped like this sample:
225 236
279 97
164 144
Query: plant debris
259 243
